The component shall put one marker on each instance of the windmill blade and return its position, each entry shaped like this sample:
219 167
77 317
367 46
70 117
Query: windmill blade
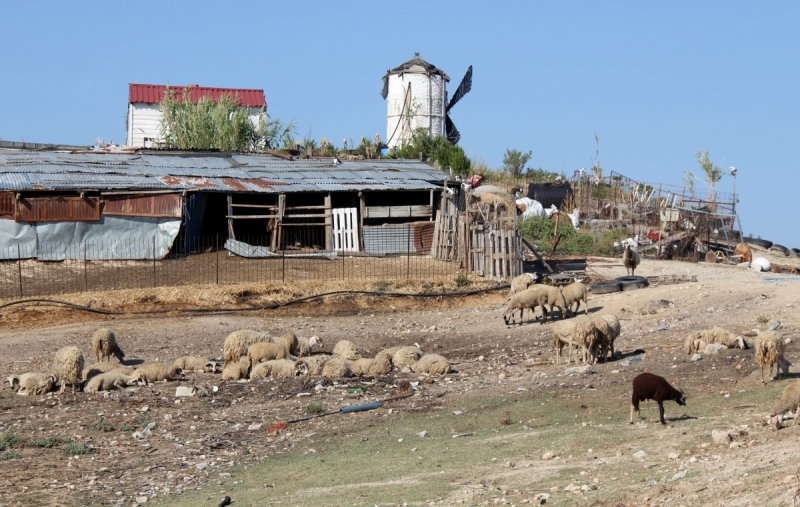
463 88
451 132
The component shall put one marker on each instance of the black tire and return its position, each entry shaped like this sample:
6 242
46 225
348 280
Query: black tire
758 242
606 287
779 248
633 282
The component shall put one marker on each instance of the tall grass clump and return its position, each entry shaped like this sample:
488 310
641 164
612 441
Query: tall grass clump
540 232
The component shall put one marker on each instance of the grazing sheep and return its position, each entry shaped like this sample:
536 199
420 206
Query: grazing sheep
279 368
148 373
104 344
288 340
306 345
315 363
790 400
195 364
237 342
259 352
108 381
346 350
406 356
369 367
575 334
68 367
237 370
432 364
336 367
647 386
32 384
98 368
522 282
698 340
769 351
630 258
386 355
608 330
530 299
575 293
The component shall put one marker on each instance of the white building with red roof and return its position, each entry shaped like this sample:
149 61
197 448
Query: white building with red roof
144 117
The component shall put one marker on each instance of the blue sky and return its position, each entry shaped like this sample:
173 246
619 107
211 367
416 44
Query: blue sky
656 81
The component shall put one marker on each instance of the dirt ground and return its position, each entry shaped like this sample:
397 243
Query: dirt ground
508 427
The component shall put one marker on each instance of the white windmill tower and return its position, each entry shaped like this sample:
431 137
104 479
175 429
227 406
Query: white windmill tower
416 97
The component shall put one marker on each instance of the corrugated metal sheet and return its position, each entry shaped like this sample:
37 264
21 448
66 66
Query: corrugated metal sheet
153 94
58 209
149 205
32 170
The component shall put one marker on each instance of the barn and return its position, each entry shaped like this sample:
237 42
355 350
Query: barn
54 201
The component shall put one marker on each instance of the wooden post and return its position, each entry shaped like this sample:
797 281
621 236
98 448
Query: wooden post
231 235
328 222
19 268
431 217
217 259
85 274
361 209
276 233
154 261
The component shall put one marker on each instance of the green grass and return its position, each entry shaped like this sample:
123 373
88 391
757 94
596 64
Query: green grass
102 425
77 448
49 442
462 279
540 231
7 455
9 440
314 407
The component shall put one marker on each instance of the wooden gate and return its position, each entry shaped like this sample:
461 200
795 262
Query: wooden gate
344 229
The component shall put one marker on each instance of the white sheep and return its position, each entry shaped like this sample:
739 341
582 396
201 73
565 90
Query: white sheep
698 340
527 299
237 370
148 373
386 355
573 334
630 258
432 364
278 368
370 367
575 293
346 350
522 282
406 356
259 352
68 367
98 368
790 400
608 330
236 344
104 344
195 364
32 384
110 380
306 345
769 351
315 363
288 341
336 367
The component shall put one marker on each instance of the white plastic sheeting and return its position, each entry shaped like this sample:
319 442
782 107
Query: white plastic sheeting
532 208
258 252
111 237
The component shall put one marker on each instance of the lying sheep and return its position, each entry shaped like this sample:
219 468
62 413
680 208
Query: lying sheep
386 355
68 367
306 345
608 330
369 367
630 258
98 368
110 380
336 367
573 334
698 340
790 400
148 373
575 293
315 363
196 364
259 352
237 370
406 356
32 384
236 344
288 341
346 350
104 344
647 386
769 351
522 282
527 299
279 368
432 364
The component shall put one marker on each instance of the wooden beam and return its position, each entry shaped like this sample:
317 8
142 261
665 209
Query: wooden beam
235 217
276 233
267 206
423 210
231 235
361 208
431 213
328 222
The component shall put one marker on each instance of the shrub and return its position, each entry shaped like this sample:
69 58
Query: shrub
6 455
462 279
77 448
314 407
49 442
9 440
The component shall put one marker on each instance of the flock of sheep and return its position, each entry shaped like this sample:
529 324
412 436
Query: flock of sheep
246 355
594 338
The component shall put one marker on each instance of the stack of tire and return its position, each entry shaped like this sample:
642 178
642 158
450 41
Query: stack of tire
623 283
772 247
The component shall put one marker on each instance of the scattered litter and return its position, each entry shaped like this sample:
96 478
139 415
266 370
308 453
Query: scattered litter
662 328
463 435
696 357
781 279
636 358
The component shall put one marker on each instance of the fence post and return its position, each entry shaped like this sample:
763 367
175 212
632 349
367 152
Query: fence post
19 266
408 253
283 265
217 258
85 274
154 261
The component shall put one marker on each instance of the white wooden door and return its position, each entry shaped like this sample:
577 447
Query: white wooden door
345 229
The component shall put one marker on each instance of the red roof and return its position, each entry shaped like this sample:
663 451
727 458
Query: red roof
152 94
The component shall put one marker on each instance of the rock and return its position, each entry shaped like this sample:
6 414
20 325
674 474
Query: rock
185 391
714 348
696 357
541 499
202 465
579 369
673 455
734 445
693 459
679 475
640 454
141 499
548 455
572 487
422 434
619 454
254 427
720 436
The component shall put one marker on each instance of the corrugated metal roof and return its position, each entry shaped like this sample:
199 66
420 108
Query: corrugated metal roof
33 170
152 94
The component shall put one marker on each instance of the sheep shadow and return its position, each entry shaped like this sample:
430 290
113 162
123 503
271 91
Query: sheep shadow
678 417
132 362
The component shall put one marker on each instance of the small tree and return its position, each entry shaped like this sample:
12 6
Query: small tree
514 162
712 173
596 168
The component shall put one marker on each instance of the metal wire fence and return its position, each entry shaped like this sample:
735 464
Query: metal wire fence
383 253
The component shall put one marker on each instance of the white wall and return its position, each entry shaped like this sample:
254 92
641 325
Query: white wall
427 106
144 124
